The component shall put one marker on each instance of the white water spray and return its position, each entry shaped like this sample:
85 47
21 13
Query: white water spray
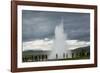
60 50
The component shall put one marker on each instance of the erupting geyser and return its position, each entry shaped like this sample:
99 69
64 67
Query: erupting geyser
60 49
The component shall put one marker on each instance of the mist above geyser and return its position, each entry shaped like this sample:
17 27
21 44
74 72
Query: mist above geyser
59 49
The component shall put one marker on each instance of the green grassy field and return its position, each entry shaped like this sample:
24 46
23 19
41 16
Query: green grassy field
37 56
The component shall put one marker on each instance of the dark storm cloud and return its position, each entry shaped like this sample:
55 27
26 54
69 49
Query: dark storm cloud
40 25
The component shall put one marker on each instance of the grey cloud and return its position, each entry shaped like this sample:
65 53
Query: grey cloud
41 24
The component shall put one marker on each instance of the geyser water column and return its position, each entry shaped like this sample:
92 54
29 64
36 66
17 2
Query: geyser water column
59 50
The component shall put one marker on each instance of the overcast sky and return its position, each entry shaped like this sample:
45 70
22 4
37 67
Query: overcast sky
41 24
